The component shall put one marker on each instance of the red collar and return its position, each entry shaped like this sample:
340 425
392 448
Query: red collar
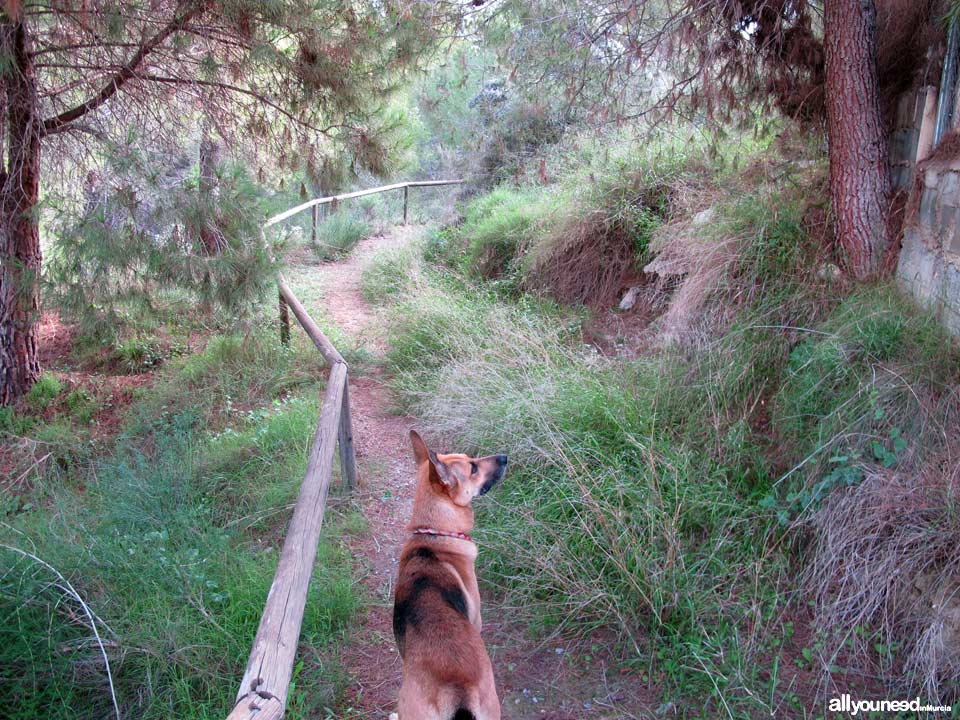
431 531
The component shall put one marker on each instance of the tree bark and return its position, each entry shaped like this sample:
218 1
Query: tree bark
20 256
859 170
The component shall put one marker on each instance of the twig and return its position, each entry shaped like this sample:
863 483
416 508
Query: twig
86 609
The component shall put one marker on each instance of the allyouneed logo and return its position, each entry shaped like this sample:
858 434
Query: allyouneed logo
846 704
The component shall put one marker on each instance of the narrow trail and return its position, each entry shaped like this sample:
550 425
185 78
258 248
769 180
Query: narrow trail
535 680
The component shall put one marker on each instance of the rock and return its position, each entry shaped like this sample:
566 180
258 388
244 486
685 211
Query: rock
704 216
630 298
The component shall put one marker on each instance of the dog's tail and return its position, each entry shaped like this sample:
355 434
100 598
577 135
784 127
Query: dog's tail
464 714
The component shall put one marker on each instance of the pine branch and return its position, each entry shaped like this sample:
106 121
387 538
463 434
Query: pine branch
62 122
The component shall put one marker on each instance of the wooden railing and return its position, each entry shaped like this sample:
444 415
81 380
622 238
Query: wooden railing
263 690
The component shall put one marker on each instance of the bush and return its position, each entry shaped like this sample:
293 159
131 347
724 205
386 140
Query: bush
44 391
339 233
144 235
582 237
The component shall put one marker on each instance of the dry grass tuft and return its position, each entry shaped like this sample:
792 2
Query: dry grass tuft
885 575
586 262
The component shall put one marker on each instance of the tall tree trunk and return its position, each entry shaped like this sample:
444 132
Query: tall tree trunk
19 235
859 171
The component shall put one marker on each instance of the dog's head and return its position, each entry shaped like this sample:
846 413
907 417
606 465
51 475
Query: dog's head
459 477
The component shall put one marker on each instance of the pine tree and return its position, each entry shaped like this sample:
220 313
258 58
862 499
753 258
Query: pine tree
283 73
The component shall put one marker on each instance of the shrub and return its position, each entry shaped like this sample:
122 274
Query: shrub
146 234
44 391
338 233
582 237
136 355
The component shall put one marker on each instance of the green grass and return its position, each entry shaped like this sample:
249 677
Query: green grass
389 272
44 391
665 495
578 237
339 232
172 538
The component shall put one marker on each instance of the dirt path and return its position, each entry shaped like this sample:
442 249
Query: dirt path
549 681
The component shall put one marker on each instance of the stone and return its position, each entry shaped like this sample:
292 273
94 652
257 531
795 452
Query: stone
948 217
950 188
629 298
928 207
954 241
704 216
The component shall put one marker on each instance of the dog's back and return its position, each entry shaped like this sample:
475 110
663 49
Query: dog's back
442 651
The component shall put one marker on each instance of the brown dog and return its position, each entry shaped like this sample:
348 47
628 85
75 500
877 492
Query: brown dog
436 613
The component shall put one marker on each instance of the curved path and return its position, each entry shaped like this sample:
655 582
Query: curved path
546 680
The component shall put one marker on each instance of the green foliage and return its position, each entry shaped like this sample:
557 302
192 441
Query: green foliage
339 232
138 355
234 370
389 273
44 391
164 546
500 225
152 236
576 238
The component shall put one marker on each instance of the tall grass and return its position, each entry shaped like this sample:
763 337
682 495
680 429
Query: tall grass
171 540
339 232
580 236
667 494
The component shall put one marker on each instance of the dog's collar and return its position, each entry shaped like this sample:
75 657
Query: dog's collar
431 531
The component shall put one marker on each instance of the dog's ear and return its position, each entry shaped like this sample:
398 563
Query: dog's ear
439 472
420 452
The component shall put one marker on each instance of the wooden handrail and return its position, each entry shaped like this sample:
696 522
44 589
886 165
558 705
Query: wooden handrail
359 193
311 328
266 680
270 666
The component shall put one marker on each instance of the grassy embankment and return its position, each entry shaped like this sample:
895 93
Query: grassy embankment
167 532
730 498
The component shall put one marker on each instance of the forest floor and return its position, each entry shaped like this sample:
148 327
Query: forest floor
543 677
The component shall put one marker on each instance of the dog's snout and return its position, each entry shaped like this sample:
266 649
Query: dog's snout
502 460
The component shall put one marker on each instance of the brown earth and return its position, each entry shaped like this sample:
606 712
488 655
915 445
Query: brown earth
549 679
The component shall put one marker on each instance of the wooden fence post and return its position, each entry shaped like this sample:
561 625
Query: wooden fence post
406 189
348 459
313 227
284 321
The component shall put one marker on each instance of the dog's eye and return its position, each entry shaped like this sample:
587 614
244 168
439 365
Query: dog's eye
473 468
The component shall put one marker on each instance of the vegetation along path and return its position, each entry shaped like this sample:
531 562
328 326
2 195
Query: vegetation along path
542 678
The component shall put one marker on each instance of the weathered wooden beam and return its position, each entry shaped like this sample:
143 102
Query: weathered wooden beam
311 328
254 707
270 666
359 193
348 458
284 321
406 192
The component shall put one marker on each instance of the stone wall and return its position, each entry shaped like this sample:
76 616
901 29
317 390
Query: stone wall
905 136
929 265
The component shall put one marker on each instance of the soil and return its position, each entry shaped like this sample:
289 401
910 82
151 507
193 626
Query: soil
548 679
